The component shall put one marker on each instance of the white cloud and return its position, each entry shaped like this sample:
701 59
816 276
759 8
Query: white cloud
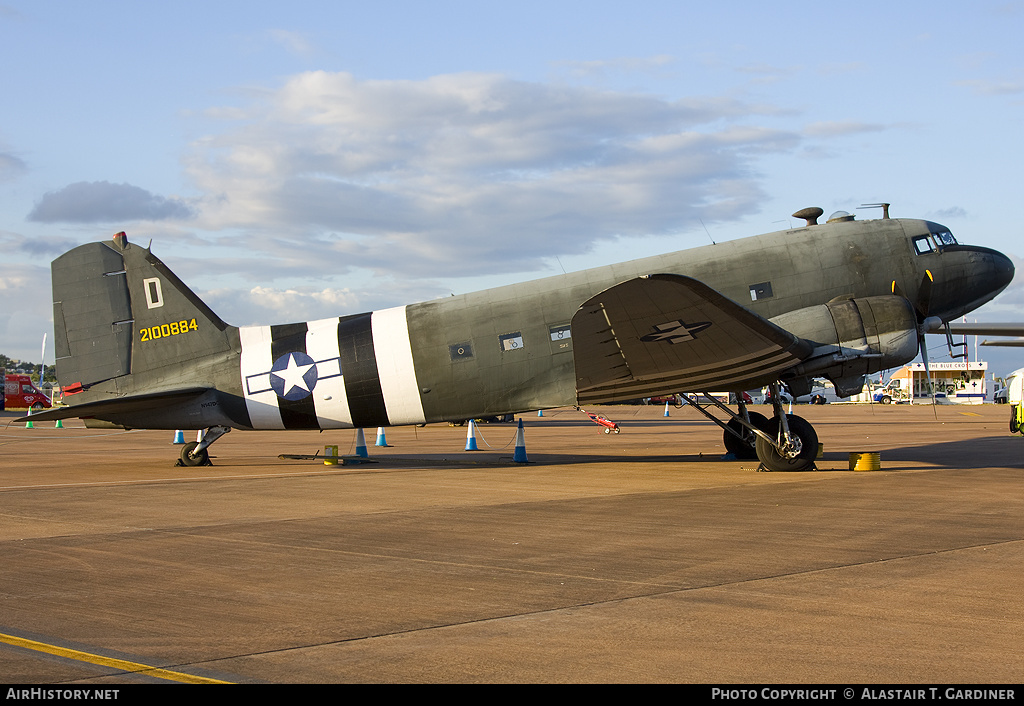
988 87
293 42
285 300
38 246
473 172
26 309
103 202
951 212
263 305
11 166
840 128
600 68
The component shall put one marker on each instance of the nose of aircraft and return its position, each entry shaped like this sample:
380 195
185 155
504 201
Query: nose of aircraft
975 276
1002 271
991 269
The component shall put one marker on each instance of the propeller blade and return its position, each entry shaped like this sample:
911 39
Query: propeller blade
928 372
924 294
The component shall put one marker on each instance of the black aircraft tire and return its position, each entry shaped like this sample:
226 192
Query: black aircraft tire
188 460
774 461
739 448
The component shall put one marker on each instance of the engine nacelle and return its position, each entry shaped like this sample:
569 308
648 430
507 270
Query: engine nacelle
852 338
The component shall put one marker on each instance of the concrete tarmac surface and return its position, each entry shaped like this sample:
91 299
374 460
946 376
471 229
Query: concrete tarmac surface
633 557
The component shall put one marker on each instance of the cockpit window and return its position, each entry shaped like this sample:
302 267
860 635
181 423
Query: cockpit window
934 241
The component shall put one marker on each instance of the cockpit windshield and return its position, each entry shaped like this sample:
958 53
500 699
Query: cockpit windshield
935 241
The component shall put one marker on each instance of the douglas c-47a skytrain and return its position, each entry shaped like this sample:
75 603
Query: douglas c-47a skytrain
137 348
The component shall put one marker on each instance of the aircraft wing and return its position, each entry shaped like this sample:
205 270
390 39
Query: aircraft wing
987 329
662 334
982 329
1012 342
118 405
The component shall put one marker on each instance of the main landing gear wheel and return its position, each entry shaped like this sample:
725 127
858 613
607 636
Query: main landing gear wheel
744 449
196 453
802 449
187 459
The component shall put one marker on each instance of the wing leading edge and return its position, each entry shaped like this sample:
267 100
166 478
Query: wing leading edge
988 329
662 334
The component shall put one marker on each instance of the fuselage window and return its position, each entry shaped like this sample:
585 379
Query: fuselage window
460 351
511 341
923 245
561 338
560 333
762 290
944 238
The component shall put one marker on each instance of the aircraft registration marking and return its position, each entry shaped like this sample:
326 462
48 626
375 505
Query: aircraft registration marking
175 328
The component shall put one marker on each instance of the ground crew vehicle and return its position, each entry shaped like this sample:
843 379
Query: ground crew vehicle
1015 398
21 393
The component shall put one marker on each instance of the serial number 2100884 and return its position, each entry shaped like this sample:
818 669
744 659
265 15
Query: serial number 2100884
174 328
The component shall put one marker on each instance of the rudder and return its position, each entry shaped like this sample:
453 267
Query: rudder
119 310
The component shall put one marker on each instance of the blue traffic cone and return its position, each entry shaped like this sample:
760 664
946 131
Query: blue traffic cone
381 440
540 412
361 445
666 409
179 437
471 437
520 455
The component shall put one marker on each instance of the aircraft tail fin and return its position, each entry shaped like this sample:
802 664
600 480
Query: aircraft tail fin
118 310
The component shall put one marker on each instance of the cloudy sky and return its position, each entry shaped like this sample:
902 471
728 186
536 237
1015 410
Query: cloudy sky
298 160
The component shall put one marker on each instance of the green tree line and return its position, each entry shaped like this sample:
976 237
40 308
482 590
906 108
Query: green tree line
12 365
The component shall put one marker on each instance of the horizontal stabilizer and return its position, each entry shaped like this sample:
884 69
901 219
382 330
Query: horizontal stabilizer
663 333
118 405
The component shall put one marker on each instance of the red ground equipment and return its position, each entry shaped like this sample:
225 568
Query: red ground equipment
601 420
21 393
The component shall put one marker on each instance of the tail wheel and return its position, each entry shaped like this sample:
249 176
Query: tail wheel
188 460
800 457
744 449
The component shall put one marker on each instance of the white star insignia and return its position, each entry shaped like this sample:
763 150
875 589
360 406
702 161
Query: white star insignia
293 375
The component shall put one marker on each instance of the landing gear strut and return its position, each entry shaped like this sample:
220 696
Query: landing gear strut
195 454
793 450
741 441
785 442
791 444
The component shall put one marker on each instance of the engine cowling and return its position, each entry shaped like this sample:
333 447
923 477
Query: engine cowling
852 338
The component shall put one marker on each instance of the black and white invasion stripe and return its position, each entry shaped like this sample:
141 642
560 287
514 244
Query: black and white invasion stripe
359 370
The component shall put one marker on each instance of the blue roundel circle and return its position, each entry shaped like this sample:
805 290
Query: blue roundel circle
293 376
